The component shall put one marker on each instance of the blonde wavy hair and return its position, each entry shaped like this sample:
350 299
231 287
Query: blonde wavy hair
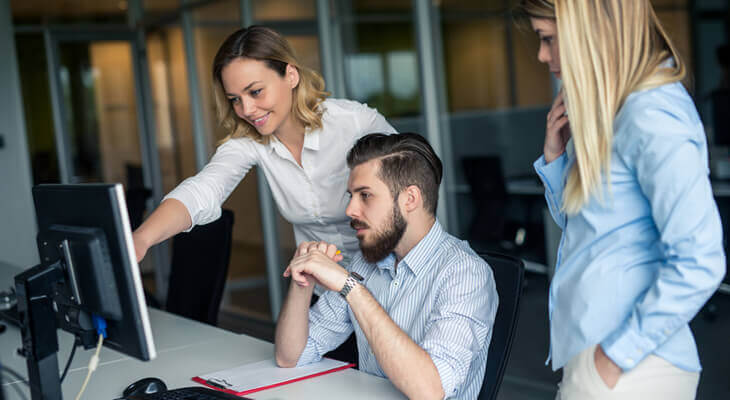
267 45
608 49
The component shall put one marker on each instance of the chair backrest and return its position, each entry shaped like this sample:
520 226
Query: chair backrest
508 275
485 176
199 269
489 195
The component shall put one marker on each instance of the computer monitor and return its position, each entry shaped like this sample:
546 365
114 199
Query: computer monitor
88 269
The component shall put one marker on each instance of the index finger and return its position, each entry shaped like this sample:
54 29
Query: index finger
558 99
303 248
332 251
315 246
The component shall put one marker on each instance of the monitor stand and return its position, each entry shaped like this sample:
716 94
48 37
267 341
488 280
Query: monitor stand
38 302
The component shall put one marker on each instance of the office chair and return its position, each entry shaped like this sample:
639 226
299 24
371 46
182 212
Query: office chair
489 191
508 276
199 269
492 229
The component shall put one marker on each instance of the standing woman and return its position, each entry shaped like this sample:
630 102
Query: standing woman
277 118
625 169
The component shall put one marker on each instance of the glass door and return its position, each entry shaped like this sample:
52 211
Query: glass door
100 119
99 108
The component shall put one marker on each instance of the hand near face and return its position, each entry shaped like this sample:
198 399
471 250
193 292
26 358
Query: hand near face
316 262
607 369
557 131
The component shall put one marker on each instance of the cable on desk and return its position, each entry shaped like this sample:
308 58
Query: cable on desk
93 363
14 374
70 357
17 376
21 394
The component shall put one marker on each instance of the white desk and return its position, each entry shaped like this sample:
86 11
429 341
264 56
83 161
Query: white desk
185 349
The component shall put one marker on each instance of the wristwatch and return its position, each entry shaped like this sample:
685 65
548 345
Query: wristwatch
353 280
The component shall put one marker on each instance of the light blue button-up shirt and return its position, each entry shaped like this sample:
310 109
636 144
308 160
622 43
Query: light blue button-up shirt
441 294
632 270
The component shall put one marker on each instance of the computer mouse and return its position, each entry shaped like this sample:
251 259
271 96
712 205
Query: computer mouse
145 386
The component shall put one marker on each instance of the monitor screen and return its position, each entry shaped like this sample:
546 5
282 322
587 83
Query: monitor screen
86 227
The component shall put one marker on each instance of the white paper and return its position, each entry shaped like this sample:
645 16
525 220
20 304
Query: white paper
265 373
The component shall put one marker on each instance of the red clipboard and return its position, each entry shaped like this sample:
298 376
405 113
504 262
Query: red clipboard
221 388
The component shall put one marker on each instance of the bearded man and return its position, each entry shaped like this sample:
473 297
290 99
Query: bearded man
420 302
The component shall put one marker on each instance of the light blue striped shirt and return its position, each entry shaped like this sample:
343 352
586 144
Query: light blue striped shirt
442 295
634 269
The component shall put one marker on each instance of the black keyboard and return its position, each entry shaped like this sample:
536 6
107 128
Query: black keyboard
187 393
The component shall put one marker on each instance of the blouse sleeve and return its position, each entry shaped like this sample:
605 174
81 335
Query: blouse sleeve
204 193
551 174
666 153
369 120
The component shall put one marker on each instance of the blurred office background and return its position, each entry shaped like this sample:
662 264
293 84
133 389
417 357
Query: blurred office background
120 91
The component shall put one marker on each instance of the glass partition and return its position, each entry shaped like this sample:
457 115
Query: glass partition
69 11
97 84
265 11
381 59
33 70
155 8
171 97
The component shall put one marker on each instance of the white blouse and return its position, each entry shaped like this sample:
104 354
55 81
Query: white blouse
313 196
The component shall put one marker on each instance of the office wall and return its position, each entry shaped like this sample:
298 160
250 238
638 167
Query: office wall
495 133
17 232
486 133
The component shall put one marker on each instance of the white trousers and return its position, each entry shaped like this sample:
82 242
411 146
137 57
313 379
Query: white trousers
652 378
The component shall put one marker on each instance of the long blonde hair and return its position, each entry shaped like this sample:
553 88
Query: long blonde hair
265 44
608 49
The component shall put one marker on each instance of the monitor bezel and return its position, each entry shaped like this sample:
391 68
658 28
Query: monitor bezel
114 195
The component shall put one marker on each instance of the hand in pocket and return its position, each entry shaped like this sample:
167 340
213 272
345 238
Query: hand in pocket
606 368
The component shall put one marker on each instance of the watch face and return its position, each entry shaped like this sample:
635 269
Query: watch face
357 276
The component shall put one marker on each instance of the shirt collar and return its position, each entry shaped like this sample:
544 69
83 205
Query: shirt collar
570 148
418 258
275 146
311 142
311 139
388 263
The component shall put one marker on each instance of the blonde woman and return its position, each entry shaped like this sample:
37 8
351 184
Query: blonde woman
279 119
625 168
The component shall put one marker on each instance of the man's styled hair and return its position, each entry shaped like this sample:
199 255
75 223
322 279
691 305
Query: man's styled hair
405 159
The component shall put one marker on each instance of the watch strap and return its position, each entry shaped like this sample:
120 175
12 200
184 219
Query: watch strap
353 279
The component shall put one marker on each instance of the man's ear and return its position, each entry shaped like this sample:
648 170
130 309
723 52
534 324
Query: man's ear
292 76
411 198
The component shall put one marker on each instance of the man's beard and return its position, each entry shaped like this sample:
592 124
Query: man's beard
385 241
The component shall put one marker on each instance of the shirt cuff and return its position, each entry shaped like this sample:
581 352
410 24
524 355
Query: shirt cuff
309 354
551 173
626 347
446 373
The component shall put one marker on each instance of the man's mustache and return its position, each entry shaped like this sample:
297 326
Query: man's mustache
357 224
